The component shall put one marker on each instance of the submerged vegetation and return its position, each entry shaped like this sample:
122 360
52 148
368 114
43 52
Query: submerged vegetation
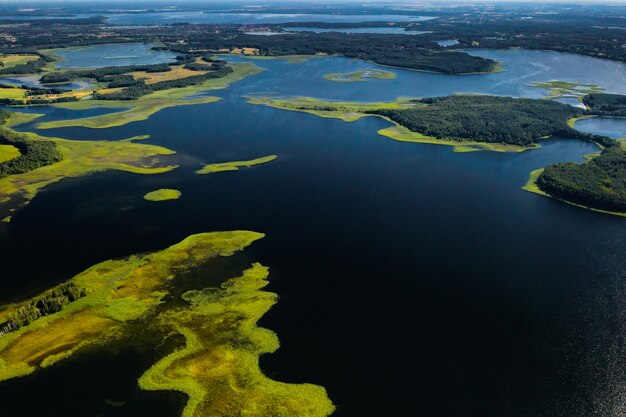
235 165
567 89
362 75
218 365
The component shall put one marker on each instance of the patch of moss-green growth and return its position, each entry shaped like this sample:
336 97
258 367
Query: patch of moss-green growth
116 293
218 367
8 152
21 118
351 112
146 106
80 158
163 194
567 89
361 75
572 122
235 165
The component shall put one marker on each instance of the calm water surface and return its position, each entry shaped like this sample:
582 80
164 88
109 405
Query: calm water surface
394 30
413 280
114 55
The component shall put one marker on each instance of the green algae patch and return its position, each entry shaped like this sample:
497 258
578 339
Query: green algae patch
567 89
351 112
532 187
8 152
163 194
218 367
235 165
82 158
117 292
361 75
146 106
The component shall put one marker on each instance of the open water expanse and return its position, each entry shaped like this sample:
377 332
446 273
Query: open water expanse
413 281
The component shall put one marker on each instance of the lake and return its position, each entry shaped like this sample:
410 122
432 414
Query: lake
413 280
113 55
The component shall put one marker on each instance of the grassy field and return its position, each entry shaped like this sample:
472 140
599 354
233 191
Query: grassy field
163 194
12 60
176 73
150 104
350 112
362 75
12 93
8 152
235 165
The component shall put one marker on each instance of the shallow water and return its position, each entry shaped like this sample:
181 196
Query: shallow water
413 280
607 126
114 55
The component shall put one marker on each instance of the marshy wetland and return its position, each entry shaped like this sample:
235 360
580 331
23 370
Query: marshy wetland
402 291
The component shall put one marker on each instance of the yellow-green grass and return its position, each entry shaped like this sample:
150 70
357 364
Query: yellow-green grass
291 59
572 122
532 187
163 194
13 60
146 106
12 93
177 73
21 118
8 152
82 158
350 112
117 292
361 75
235 165
218 367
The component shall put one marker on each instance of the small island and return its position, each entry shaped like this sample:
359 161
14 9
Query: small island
235 165
162 194
361 75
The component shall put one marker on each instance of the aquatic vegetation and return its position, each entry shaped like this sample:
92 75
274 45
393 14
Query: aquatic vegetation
146 106
116 293
80 158
567 89
235 165
162 195
361 75
350 112
218 366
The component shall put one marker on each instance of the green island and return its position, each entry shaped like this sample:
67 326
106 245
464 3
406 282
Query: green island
163 194
567 89
467 122
234 165
216 366
44 161
361 75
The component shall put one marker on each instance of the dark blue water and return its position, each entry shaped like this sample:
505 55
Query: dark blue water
413 280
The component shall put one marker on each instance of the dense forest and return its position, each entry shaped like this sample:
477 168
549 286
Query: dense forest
50 302
606 104
34 153
599 183
489 119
